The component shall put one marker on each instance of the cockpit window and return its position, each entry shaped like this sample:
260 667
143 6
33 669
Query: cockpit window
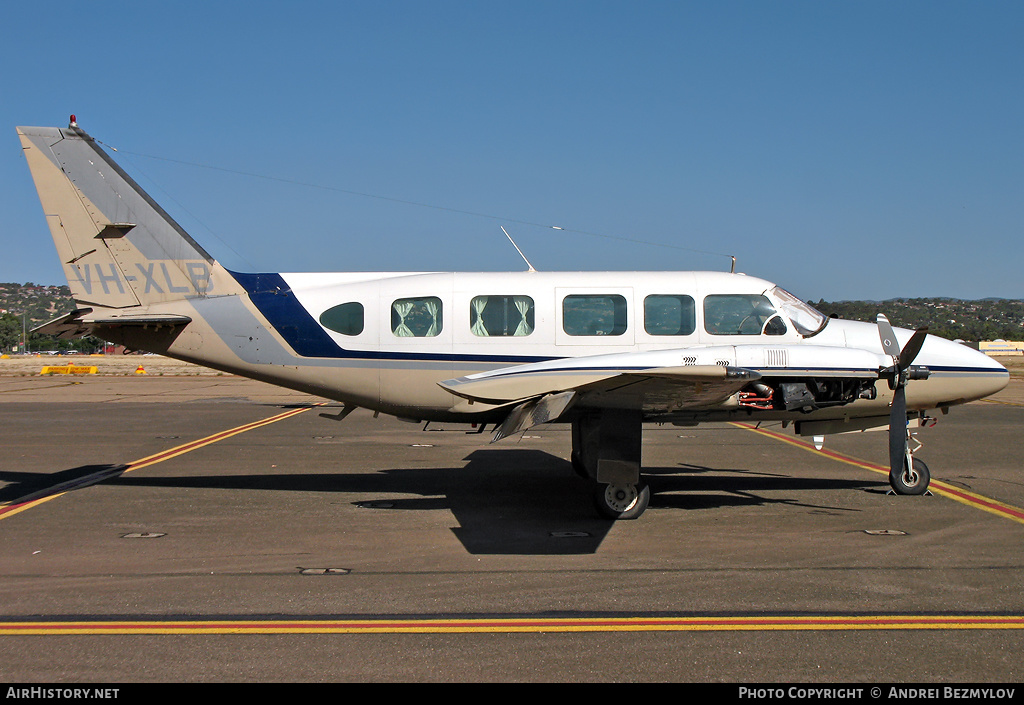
775 326
805 318
742 314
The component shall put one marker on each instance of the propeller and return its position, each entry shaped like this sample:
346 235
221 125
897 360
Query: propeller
897 376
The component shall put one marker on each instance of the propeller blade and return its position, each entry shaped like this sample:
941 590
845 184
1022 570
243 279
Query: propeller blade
898 431
890 346
897 376
912 348
888 337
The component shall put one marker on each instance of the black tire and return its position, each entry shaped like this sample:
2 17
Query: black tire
911 481
617 502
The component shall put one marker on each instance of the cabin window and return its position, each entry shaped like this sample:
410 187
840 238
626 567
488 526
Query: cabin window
741 314
669 314
346 319
594 314
416 318
501 315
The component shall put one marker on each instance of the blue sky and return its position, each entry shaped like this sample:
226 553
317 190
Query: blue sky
844 150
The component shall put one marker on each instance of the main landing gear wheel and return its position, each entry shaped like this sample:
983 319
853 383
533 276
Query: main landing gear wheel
622 501
913 479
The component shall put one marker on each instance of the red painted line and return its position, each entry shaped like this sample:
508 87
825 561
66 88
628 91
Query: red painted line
12 508
511 625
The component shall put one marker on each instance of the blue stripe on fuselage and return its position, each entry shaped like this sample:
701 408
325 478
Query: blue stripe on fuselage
275 300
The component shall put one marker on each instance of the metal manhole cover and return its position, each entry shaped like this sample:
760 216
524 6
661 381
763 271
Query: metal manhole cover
376 505
324 571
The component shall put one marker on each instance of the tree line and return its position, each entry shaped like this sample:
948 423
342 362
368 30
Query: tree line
955 319
13 328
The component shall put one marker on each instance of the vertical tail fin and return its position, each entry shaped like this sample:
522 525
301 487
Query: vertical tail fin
118 247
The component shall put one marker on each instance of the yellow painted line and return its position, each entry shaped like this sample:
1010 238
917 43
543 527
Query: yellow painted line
972 499
1000 401
19 505
512 625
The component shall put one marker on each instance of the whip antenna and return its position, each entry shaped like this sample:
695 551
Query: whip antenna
517 248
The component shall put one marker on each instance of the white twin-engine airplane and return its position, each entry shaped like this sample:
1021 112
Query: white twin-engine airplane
603 351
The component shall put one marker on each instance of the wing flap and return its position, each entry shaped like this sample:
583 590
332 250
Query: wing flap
533 413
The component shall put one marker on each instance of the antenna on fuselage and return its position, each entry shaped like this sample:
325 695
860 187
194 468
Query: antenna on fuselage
517 248
733 269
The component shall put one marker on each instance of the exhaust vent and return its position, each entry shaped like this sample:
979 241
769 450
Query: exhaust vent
776 357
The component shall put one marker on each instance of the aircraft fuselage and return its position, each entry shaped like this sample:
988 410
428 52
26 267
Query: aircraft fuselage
385 341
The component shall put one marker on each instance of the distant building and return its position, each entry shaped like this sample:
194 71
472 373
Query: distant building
1001 347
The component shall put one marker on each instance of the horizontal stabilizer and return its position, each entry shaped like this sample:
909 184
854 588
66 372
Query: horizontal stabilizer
147 321
68 326
79 323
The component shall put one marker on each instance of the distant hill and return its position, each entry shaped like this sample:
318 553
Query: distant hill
41 302
25 306
956 319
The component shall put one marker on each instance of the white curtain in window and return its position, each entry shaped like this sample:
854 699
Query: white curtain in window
523 305
478 305
432 309
402 307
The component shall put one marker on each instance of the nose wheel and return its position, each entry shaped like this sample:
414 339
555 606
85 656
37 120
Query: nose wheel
912 477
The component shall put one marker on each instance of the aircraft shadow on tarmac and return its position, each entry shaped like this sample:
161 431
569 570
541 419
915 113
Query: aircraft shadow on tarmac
506 502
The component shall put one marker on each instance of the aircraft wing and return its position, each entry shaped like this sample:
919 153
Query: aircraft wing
648 381
690 385
667 381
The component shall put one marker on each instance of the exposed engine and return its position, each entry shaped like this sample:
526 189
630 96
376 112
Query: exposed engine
806 396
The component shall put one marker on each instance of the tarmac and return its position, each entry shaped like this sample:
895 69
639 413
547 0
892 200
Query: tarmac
177 525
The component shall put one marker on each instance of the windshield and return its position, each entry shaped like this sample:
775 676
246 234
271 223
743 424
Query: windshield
805 318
